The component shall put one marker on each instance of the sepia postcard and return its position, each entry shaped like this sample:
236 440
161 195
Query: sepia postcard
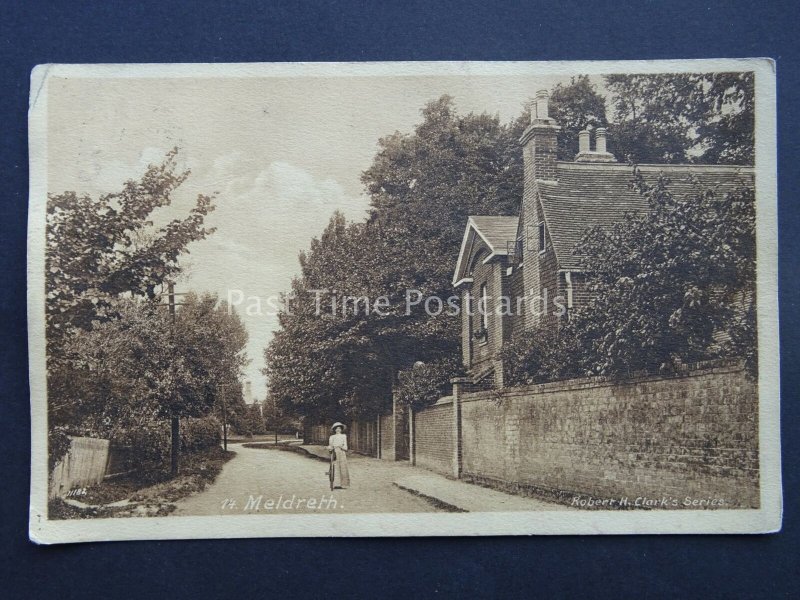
403 299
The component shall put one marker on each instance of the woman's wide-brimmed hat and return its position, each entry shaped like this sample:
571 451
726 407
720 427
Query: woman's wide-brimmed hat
337 424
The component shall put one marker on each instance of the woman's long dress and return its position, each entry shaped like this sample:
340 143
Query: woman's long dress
341 475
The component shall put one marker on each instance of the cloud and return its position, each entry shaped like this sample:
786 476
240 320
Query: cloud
264 218
103 172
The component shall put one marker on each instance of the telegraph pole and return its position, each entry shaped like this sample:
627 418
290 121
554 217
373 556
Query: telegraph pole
176 424
224 418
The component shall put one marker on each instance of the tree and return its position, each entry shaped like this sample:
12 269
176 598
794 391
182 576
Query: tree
576 107
650 117
255 418
540 355
422 188
333 355
673 286
453 166
98 249
673 118
142 367
728 132
276 420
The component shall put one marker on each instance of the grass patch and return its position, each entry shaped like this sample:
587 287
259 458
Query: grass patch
145 493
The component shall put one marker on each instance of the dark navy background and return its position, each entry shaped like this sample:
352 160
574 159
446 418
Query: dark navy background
559 567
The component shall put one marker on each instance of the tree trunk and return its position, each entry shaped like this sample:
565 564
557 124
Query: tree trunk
176 445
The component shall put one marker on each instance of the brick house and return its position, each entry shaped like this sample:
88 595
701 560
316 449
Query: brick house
521 273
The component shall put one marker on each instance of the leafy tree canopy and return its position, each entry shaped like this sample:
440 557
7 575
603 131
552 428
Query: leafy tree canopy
422 188
685 117
142 366
675 285
576 107
99 248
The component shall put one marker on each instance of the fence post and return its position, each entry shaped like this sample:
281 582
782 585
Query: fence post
458 389
378 441
399 428
394 424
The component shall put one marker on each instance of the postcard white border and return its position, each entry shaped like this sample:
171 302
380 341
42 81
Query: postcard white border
765 519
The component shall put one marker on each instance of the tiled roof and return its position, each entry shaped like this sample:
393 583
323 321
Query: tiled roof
588 194
495 231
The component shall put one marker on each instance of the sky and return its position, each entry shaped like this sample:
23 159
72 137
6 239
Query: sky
282 153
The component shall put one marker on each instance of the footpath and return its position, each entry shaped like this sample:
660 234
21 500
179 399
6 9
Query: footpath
451 494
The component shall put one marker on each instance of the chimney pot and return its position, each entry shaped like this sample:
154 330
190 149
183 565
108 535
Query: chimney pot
531 106
600 139
583 141
542 108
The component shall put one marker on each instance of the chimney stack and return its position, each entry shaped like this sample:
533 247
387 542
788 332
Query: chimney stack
540 141
600 154
583 141
600 140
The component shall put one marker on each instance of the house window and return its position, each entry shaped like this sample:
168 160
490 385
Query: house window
484 308
468 308
542 236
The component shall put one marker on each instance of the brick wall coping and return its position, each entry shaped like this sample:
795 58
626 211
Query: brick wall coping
693 370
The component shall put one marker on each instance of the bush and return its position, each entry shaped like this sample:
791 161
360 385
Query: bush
424 383
146 445
58 444
200 434
151 444
538 357
667 284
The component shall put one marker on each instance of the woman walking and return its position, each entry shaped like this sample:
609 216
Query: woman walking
337 444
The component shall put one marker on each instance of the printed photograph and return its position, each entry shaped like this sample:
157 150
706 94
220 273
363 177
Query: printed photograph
404 293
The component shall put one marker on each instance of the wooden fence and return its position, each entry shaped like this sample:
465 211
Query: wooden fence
85 464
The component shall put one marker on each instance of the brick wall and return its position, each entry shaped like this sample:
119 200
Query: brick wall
530 221
580 292
433 437
467 304
695 435
542 142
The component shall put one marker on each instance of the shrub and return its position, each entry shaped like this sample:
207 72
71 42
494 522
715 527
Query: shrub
424 383
538 357
667 284
58 444
200 434
150 445
146 445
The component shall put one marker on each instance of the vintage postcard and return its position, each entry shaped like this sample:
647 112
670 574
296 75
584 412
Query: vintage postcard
403 299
